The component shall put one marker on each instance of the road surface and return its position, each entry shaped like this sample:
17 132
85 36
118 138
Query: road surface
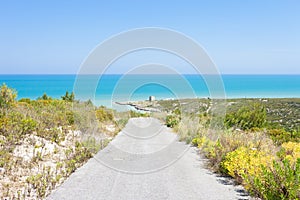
146 161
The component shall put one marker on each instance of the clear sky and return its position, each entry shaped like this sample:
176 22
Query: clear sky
241 36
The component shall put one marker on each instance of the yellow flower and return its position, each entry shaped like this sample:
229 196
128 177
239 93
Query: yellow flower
292 151
245 161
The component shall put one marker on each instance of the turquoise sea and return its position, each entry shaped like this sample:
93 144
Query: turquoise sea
112 88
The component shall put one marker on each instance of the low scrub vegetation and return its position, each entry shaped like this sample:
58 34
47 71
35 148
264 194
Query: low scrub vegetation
260 154
43 141
174 118
247 117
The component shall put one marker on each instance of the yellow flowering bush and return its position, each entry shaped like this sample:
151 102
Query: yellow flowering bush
279 181
291 151
245 161
208 147
213 150
199 141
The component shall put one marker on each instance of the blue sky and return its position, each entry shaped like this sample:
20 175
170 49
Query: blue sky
242 37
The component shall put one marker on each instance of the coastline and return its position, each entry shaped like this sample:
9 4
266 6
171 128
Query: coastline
153 106
236 86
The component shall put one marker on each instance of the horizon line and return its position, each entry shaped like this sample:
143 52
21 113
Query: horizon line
62 74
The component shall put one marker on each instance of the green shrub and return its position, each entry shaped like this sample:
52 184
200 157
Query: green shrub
44 97
104 115
172 120
121 123
138 114
210 148
68 97
7 97
70 117
28 125
177 111
43 182
76 158
280 136
282 181
94 145
11 127
4 157
53 135
25 100
247 117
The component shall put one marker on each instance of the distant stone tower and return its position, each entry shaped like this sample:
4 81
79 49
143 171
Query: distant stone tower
152 98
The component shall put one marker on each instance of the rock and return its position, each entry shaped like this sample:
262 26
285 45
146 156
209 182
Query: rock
77 133
2 137
110 128
32 145
2 170
24 151
63 143
60 129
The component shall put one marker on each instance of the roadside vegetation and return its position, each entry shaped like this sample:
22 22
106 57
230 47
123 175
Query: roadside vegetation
43 141
259 145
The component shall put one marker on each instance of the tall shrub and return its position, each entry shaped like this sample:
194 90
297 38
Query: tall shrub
7 97
247 117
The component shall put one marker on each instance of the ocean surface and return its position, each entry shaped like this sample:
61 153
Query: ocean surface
106 89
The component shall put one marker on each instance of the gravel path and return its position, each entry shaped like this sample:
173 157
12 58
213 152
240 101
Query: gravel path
146 161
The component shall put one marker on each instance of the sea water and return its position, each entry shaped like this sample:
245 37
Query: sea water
109 88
